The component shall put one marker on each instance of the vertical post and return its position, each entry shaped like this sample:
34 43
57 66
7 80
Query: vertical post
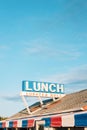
5 128
68 128
16 128
41 102
37 126
53 98
25 103
38 123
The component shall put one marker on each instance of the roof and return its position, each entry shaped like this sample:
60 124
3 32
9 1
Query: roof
70 102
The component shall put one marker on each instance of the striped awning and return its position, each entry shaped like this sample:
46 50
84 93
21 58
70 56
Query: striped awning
81 120
47 121
68 120
63 120
24 123
10 124
28 123
17 123
13 124
3 124
56 121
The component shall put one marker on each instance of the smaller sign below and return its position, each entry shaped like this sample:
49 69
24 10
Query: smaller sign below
42 89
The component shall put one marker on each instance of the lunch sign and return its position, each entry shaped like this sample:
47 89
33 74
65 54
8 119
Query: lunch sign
42 89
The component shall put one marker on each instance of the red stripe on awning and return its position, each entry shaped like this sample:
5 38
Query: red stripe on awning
56 121
14 124
31 123
4 124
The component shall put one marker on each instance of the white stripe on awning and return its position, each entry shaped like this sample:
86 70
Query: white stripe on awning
7 123
19 124
68 120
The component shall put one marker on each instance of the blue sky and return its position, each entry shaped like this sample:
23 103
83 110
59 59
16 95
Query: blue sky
41 40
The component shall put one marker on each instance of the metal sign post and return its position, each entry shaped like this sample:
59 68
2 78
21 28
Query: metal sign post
41 102
25 103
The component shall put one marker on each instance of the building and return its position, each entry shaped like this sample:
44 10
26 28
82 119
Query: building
66 113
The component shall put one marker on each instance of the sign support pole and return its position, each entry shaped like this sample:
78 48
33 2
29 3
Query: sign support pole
41 102
54 98
25 103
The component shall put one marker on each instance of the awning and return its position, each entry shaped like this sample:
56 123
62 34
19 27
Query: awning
4 125
14 124
64 120
30 123
56 121
68 120
47 122
10 124
19 123
81 120
7 124
24 123
0 124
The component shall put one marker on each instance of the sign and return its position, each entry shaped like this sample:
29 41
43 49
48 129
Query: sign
43 89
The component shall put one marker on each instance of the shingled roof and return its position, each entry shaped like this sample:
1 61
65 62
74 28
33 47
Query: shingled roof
70 102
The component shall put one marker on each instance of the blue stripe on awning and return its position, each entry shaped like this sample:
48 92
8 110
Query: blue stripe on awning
47 122
0 124
24 123
81 120
11 124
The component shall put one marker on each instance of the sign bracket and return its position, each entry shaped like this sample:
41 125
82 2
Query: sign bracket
25 103
41 102
54 98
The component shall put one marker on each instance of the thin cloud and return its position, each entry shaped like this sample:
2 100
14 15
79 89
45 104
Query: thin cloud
77 75
15 98
75 79
47 50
